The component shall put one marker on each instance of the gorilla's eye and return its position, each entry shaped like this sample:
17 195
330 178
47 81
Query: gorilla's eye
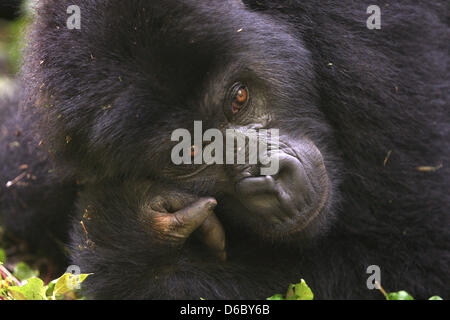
240 98
194 150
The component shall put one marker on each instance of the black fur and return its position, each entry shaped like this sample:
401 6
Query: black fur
108 96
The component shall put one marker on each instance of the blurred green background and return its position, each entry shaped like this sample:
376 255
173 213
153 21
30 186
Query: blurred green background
13 21
14 18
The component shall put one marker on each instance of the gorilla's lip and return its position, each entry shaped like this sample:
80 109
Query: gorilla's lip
271 201
281 206
283 209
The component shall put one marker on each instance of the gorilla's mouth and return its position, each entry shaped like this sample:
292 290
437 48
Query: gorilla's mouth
293 198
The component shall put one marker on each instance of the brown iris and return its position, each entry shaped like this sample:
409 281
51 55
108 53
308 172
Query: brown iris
194 150
240 99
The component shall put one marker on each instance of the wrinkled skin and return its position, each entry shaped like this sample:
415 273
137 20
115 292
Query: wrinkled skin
358 111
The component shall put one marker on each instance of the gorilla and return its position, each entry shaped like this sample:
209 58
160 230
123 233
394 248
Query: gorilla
362 114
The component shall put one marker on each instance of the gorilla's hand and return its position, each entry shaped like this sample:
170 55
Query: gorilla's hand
173 217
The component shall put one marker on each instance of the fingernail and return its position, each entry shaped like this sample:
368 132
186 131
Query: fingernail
211 205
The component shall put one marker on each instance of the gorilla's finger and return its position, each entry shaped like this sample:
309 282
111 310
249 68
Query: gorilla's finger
179 225
191 217
212 234
194 214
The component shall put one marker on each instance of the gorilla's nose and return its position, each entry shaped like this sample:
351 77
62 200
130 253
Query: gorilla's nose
285 193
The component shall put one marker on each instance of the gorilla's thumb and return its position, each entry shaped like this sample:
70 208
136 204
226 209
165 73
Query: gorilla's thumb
192 216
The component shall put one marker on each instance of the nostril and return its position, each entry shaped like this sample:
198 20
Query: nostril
289 166
292 175
239 172
254 171
289 163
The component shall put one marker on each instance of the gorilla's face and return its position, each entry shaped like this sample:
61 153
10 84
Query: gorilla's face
145 76
261 78
276 205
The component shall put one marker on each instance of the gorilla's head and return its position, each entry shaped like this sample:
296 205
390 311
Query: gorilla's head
114 91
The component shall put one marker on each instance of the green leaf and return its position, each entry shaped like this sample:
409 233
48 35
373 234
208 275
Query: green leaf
435 298
23 272
276 297
290 291
34 289
50 288
2 256
401 295
67 283
299 291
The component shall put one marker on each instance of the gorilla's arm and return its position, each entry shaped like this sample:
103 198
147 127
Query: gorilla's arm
137 249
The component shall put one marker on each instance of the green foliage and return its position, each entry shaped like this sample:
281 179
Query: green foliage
278 296
24 284
299 291
15 46
14 41
67 283
401 295
33 289
63 288
23 272
2 256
